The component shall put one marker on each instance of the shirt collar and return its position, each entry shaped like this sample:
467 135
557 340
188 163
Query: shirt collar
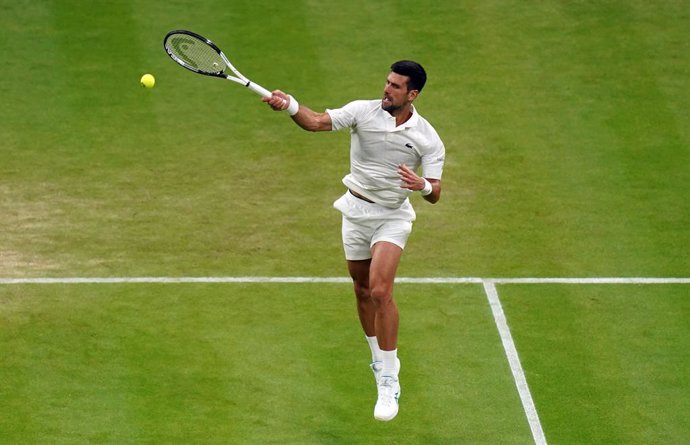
411 122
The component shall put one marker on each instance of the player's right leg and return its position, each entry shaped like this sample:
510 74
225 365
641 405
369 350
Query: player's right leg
359 271
384 264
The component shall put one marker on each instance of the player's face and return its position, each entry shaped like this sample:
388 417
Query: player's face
395 94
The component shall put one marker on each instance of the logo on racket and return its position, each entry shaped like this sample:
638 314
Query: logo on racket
181 45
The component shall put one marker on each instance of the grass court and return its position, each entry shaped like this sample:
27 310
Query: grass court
568 144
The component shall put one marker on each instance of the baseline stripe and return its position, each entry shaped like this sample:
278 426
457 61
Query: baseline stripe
172 280
515 366
402 280
593 280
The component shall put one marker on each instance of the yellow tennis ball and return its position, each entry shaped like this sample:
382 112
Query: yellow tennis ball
148 81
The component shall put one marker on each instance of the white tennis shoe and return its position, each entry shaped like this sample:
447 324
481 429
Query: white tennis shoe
377 369
387 404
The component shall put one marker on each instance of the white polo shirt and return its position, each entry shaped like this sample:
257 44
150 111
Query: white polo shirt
378 146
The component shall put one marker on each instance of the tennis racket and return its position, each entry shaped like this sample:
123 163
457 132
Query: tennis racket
199 54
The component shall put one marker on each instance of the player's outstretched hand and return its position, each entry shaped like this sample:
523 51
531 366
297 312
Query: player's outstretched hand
278 101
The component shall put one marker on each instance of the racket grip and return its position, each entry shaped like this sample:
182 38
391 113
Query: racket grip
258 89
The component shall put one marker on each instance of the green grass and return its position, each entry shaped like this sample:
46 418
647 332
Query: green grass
605 363
568 141
244 364
565 129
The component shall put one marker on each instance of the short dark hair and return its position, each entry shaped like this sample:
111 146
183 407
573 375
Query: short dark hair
413 70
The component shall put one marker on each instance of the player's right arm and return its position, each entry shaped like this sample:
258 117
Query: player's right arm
311 120
305 117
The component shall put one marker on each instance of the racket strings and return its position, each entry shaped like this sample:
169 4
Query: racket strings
194 53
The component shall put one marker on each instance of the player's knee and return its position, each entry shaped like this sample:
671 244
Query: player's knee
362 290
382 295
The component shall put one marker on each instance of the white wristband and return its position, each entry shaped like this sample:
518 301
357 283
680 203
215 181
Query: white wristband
293 108
427 188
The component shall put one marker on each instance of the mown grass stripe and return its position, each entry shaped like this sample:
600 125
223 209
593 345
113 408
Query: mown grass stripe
287 280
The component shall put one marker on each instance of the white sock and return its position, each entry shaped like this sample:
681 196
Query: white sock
375 350
390 365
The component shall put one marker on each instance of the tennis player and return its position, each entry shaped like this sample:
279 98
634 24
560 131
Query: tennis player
390 141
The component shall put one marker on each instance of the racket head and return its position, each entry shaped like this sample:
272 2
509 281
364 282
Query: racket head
195 52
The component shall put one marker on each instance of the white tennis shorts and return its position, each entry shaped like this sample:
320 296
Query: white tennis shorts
366 223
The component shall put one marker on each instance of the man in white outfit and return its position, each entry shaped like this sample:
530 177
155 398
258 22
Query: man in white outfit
390 141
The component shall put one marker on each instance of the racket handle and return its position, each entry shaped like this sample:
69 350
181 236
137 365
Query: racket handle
258 89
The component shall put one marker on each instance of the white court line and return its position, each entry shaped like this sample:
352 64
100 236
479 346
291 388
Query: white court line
172 280
412 280
592 280
515 366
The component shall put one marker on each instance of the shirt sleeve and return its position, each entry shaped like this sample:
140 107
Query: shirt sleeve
345 117
432 162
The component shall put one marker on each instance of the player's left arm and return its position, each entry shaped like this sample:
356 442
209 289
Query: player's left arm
412 181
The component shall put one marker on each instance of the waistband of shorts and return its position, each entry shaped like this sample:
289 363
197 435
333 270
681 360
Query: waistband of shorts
358 196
